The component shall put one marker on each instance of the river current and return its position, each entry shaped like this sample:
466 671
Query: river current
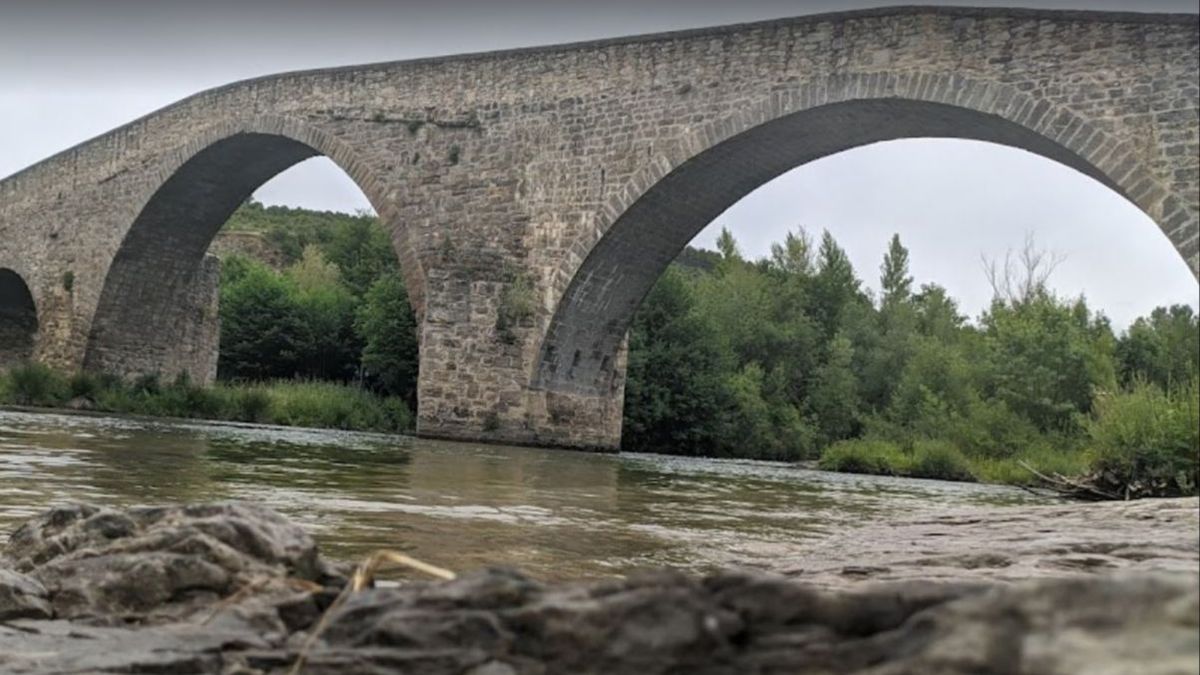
554 513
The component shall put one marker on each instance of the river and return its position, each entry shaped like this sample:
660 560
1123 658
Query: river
554 513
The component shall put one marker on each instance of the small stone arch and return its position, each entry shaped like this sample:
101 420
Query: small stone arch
18 320
153 314
641 228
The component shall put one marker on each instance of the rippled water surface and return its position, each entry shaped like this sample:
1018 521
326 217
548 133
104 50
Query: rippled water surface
554 513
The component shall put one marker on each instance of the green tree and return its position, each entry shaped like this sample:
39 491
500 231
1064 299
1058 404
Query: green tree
895 281
1163 348
835 286
326 345
388 331
727 246
362 250
1047 358
675 396
885 340
794 257
834 402
260 324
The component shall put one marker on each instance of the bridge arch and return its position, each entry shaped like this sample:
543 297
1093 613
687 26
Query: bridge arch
18 320
145 318
681 190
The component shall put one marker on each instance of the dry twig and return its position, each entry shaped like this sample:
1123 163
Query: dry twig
1070 487
364 575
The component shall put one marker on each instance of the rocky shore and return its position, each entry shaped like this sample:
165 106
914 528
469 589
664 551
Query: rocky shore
235 589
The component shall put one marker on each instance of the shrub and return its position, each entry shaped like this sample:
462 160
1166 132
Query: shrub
84 385
517 303
1047 456
399 415
865 456
147 383
938 459
1145 440
334 406
36 384
250 404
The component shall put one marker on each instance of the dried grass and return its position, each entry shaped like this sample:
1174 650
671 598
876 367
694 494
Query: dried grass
364 576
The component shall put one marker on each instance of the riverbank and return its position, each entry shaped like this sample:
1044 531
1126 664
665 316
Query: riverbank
235 588
1141 442
323 405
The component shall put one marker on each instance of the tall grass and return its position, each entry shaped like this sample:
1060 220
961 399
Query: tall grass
865 456
943 460
289 403
922 459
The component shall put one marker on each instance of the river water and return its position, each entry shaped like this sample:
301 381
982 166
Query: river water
554 513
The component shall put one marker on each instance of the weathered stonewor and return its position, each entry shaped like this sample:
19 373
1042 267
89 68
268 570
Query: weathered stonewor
574 174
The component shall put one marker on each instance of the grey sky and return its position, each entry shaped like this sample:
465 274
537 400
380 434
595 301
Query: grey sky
70 70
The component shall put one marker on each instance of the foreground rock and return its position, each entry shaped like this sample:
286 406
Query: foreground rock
150 564
231 588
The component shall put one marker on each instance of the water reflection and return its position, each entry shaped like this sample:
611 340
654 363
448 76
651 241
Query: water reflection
555 513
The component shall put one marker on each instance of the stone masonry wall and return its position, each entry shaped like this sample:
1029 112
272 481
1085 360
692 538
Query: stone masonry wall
534 166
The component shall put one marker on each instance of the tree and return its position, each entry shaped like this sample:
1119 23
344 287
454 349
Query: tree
937 313
326 346
1023 276
835 286
260 324
388 331
885 341
1163 348
675 395
362 250
834 401
895 281
728 248
1047 358
794 257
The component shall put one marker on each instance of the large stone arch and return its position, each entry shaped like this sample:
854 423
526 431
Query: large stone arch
18 320
156 308
610 268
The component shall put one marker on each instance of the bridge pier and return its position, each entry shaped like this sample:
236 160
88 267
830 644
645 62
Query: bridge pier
476 363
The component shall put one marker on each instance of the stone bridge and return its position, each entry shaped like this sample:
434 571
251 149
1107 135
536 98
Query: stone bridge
533 196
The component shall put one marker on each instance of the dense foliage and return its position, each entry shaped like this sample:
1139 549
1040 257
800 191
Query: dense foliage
790 357
338 311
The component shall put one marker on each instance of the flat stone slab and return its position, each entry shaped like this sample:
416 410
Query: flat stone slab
1008 543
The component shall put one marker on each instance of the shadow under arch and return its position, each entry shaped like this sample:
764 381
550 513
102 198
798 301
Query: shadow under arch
645 225
18 320
136 327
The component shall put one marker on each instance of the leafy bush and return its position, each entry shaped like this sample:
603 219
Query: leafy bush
250 404
1144 441
36 384
1048 456
333 406
85 385
517 303
938 459
865 456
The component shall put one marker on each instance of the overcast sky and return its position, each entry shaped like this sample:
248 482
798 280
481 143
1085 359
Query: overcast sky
70 70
